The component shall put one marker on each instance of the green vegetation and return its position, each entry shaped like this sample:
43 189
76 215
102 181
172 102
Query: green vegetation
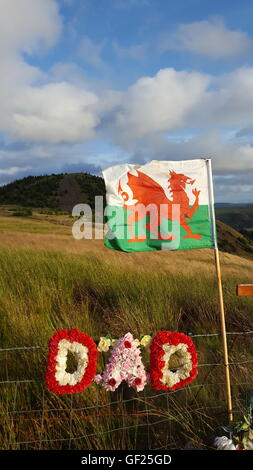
43 291
234 242
53 191
22 212
32 191
90 187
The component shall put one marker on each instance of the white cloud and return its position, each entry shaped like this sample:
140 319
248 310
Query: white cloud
209 38
25 25
228 156
172 100
159 103
54 112
228 101
50 112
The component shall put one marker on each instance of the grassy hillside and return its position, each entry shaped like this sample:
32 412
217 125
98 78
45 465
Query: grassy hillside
238 217
61 192
50 281
231 241
54 229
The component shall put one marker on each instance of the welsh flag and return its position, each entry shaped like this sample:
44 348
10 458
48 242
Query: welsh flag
160 205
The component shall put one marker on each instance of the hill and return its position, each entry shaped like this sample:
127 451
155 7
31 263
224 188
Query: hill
232 241
240 217
59 192
63 191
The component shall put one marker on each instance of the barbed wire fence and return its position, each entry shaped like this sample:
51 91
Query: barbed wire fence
33 418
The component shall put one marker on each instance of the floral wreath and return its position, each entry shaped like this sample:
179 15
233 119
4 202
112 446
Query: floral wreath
163 346
60 381
124 364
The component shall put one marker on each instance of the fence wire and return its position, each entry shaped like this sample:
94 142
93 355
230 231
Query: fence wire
33 418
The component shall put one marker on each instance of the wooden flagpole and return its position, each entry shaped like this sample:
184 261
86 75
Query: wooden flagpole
220 291
224 335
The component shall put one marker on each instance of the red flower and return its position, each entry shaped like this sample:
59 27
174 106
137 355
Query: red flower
137 381
127 344
72 336
157 363
112 382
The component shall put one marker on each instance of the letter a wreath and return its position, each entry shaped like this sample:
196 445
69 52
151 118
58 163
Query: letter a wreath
124 364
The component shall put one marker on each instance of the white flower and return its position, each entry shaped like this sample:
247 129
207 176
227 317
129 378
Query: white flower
171 378
104 344
81 353
223 443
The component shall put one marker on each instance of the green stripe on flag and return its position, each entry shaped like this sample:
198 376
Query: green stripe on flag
200 224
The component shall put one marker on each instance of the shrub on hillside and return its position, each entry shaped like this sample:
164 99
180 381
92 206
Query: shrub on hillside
22 212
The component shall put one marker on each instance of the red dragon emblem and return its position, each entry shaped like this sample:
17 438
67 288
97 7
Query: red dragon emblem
137 188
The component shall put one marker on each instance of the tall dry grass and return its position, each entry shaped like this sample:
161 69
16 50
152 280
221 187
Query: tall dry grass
48 285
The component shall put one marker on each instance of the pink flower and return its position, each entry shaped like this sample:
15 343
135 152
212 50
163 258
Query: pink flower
98 379
124 365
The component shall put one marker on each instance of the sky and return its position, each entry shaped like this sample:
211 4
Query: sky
87 84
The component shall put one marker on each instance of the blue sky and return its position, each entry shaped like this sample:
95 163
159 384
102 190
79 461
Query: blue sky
86 84
132 23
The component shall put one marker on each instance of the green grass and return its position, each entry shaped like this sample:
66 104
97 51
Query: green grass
42 292
14 220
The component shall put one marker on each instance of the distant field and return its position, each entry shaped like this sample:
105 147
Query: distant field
50 281
54 232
